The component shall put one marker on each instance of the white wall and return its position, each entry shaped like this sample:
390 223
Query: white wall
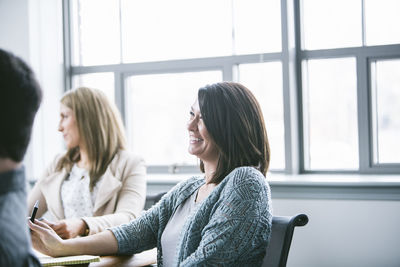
32 29
14 27
344 233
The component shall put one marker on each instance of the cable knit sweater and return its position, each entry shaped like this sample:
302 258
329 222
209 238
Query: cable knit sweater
231 227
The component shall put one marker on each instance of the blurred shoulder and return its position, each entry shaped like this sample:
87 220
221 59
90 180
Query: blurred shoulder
246 182
126 158
185 188
52 166
127 165
190 182
56 159
246 175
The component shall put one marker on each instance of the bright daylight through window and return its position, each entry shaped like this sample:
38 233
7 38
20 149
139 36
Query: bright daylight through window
325 74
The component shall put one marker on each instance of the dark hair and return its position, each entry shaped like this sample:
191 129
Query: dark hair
234 120
20 97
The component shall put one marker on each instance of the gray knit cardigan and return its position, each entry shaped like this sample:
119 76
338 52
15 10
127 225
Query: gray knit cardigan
231 227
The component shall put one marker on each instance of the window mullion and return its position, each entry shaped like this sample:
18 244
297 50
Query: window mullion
120 93
363 110
67 44
291 72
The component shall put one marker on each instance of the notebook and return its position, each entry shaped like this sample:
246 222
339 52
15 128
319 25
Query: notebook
68 260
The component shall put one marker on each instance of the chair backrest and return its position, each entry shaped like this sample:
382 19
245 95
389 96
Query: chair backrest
152 199
281 239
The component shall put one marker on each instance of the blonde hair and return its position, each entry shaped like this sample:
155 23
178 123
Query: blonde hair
100 128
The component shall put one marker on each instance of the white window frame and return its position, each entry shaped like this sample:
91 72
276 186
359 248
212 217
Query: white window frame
291 58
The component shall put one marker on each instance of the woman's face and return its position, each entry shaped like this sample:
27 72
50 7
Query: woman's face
200 143
69 127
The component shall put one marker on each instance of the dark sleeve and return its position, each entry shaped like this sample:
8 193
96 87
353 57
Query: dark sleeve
33 261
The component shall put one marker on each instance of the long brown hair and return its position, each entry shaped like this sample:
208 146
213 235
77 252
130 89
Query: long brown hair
100 129
233 118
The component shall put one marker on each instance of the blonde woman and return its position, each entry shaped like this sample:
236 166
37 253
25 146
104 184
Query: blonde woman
96 184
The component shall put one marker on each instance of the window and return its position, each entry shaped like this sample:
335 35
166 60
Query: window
95 40
324 72
257 26
331 24
176 29
330 113
382 20
385 91
265 81
157 110
347 85
103 81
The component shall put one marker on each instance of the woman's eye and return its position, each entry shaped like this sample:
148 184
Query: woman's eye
191 113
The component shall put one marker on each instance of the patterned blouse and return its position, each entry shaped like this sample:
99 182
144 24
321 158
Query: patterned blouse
76 197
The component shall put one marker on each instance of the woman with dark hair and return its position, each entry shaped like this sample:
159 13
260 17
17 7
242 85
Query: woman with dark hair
222 218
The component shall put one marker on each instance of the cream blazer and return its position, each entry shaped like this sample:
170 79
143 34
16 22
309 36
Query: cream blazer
120 197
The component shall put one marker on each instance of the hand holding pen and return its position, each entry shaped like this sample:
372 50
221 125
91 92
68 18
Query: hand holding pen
35 209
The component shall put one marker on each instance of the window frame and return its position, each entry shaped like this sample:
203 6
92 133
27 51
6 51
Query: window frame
364 55
378 167
291 57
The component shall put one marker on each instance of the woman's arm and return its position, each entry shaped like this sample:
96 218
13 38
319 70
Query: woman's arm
142 233
46 241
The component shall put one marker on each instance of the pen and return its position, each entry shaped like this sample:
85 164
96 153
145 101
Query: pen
35 208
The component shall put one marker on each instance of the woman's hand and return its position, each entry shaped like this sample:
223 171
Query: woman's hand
45 239
68 228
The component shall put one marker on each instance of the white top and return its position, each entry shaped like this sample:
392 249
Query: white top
172 232
76 197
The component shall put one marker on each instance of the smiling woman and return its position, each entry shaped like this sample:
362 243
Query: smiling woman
201 143
235 122
220 219
101 185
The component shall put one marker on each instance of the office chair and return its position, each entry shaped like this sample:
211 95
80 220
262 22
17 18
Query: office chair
152 199
281 238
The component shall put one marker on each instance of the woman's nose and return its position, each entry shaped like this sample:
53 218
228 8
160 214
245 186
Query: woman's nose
191 125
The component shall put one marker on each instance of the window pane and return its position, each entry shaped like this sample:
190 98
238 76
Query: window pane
330 114
95 32
257 26
157 112
265 81
159 30
382 21
331 24
386 110
103 81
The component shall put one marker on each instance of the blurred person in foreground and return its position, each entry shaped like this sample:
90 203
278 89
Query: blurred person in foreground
96 183
222 218
20 97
